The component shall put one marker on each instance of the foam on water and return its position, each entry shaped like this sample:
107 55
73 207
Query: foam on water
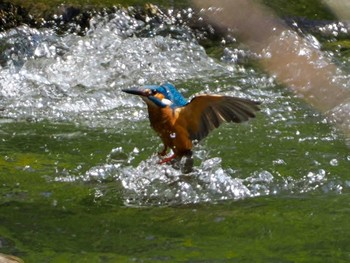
151 184
70 77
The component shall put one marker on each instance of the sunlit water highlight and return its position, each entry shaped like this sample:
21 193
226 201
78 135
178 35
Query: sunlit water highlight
73 78
152 184
149 183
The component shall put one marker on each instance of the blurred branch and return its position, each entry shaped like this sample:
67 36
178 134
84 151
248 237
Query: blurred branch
294 61
340 7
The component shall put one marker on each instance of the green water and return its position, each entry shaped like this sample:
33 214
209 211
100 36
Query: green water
47 221
80 189
293 229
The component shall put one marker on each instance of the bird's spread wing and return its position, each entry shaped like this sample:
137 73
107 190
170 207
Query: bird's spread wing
206 112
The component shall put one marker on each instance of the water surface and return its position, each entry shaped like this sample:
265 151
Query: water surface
79 173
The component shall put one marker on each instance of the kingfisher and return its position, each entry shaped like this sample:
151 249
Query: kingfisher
179 122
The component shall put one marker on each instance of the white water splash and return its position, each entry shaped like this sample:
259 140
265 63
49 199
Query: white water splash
79 78
151 184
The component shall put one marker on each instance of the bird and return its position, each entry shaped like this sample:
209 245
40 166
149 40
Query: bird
180 122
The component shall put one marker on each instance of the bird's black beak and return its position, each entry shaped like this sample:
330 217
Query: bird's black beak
137 91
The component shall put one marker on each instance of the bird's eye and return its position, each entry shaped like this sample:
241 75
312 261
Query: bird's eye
150 92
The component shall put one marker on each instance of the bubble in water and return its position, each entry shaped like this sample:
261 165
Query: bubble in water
334 162
316 177
279 162
260 183
136 150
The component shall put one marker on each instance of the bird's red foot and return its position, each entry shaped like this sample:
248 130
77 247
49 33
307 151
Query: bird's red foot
163 152
168 159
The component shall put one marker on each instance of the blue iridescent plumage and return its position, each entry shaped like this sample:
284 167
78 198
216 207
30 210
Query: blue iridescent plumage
170 92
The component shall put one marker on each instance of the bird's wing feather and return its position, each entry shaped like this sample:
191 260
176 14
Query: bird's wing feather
206 112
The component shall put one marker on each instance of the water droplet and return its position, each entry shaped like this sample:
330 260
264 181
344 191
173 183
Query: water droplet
279 162
334 162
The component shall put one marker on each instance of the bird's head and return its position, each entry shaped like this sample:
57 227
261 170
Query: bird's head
160 96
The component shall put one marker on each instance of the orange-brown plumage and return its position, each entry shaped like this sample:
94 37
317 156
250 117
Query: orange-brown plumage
178 122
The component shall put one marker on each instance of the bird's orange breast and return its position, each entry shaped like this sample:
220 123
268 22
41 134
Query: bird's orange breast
171 129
